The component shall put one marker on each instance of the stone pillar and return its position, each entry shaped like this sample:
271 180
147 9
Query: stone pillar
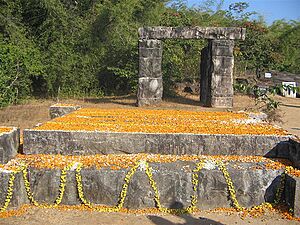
150 85
217 74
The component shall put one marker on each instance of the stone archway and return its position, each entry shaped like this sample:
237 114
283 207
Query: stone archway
217 61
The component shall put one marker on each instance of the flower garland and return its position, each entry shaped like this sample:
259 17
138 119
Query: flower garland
122 197
194 199
63 180
148 170
10 190
230 186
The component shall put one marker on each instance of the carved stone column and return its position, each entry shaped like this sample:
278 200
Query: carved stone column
217 74
150 85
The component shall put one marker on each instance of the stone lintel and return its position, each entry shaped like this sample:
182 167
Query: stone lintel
9 144
229 33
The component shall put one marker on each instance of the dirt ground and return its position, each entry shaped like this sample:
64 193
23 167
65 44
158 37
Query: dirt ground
74 217
33 112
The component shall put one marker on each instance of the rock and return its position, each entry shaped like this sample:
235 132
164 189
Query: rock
59 110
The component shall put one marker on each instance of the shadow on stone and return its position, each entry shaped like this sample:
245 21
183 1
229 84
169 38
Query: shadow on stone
189 219
287 150
272 189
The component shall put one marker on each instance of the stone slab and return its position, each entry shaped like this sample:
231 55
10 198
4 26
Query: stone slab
253 186
230 33
89 143
58 110
9 144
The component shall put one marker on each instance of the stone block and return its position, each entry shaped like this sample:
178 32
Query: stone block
150 52
150 44
221 86
148 101
222 47
89 143
150 67
230 33
222 66
9 144
19 194
150 88
221 102
59 110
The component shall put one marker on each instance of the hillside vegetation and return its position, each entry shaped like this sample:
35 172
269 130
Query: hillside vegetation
77 48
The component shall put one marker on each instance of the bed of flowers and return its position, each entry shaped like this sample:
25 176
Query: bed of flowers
132 163
161 121
5 130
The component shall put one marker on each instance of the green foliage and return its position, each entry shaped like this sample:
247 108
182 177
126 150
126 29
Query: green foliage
63 48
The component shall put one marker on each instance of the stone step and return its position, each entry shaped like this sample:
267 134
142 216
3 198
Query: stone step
254 181
94 142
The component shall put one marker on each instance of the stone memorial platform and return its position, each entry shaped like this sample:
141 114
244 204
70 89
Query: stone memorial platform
177 132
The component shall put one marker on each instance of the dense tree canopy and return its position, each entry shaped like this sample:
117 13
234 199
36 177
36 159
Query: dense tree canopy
52 48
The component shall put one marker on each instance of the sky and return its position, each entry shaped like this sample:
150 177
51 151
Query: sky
270 9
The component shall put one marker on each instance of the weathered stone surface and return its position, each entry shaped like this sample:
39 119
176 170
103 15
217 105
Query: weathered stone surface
221 102
150 43
148 101
288 150
292 194
19 195
230 33
60 110
88 143
149 89
222 48
9 144
222 66
150 67
173 180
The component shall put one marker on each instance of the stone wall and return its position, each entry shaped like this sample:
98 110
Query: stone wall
253 186
88 143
